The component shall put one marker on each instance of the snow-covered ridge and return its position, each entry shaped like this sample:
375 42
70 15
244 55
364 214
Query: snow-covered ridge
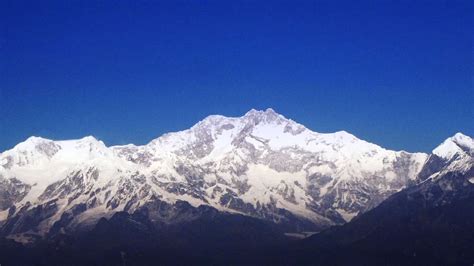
456 154
459 143
258 164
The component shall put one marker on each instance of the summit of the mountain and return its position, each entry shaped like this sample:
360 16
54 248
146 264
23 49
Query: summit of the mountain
457 144
455 154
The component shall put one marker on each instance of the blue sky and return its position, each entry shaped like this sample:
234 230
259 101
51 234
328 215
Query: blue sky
396 73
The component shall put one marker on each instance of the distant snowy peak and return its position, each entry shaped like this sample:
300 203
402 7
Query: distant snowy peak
455 154
37 151
458 144
38 143
267 116
262 129
230 131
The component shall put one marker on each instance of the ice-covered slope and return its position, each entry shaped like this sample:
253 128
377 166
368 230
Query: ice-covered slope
261 164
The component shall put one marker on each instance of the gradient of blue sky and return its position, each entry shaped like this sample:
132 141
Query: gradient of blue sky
396 73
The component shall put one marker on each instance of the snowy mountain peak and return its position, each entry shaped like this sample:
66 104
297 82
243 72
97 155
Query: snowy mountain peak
457 144
268 111
463 141
37 152
89 139
269 115
91 142
31 142
31 151
35 142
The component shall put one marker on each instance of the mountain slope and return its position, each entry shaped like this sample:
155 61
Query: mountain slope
261 165
431 223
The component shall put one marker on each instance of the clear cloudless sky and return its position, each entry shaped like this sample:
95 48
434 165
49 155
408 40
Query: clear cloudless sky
395 73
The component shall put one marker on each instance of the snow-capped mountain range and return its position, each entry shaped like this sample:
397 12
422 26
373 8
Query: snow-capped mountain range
261 165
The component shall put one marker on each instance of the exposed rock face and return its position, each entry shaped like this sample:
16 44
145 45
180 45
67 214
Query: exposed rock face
11 191
261 165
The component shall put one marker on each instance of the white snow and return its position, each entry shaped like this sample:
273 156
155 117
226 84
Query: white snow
451 146
447 149
276 137
464 140
222 145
